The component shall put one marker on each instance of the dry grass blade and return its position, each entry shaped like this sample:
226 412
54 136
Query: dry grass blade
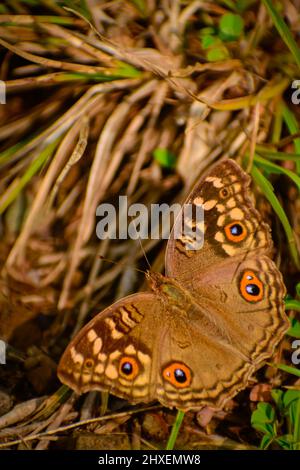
74 158
79 68
21 412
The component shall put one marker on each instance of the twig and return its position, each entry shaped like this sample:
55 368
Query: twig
52 432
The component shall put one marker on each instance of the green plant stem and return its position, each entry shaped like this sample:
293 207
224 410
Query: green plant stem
175 430
18 184
267 189
292 305
283 30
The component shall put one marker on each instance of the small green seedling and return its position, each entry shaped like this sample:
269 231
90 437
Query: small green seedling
164 157
279 424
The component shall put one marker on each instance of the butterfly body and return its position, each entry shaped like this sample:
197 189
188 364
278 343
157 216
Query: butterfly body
169 291
203 329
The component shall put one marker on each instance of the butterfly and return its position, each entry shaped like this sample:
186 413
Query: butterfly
197 337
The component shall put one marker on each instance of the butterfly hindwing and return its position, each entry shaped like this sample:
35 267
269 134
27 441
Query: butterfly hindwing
115 351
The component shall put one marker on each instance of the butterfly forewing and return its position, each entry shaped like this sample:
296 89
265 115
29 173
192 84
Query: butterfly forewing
232 226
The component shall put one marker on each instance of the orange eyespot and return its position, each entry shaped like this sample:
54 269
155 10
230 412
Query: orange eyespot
178 374
235 231
128 367
224 193
251 287
89 363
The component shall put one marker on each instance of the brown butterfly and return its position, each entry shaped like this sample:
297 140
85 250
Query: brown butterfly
206 326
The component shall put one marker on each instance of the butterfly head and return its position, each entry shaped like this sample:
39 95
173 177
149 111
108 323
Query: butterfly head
160 283
155 280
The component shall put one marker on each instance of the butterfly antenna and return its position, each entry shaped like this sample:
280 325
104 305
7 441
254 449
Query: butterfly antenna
144 253
141 245
120 263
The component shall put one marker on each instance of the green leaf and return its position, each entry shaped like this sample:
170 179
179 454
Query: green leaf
276 169
283 30
231 27
263 419
297 427
208 41
19 183
294 330
290 396
216 50
266 441
7 154
285 441
164 157
126 70
217 54
277 396
268 191
292 125
292 304
265 428
293 411
208 31
272 155
288 369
